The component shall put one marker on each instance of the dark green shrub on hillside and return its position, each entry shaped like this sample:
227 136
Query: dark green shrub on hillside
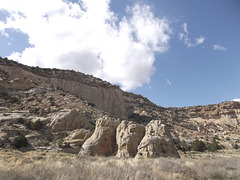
20 121
214 146
27 124
37 125
20 141
198 145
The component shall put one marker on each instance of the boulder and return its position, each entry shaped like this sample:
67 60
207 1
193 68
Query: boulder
103 140
77 137
67 120
157 142
128 136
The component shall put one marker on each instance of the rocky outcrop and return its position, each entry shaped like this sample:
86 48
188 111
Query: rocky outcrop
16 84
128 135
157 142
109 99
75 140
129 140
67 120
99 93
103 140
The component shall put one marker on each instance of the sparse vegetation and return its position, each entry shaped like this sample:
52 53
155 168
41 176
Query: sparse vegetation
198 145
27 124
60 166
37 125
20 141
20 121
214 146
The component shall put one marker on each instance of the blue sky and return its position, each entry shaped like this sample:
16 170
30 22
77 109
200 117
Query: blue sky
176 53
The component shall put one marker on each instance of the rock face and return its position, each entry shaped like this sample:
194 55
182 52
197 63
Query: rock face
76 139
16 84
157 142
68 120
103 140
128 135
100 93
109 99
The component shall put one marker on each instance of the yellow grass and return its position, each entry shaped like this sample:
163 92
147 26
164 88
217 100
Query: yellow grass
60 166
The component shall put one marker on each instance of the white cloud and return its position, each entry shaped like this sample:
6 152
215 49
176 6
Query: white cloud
236 99
187 40
200 40
219 47
89 37
169 82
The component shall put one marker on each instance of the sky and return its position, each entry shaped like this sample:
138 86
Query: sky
175 53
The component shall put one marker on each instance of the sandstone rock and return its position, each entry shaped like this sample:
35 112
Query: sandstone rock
109 99
157 142
78 137
68 120
128 136
103 140
103 95
73 142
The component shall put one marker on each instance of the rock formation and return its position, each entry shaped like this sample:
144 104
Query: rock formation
16 84
68 105
68 120
103 140
128 135
101 94
76 139
157 142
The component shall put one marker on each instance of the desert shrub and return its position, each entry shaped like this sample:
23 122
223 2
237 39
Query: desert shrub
14 99
27 124
20 121
214 146
20 141
198 145
37 125
3 94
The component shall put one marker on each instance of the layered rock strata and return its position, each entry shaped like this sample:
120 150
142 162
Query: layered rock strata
99 93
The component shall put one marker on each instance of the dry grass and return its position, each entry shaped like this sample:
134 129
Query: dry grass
60 166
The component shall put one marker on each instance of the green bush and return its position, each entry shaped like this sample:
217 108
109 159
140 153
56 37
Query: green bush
214 146
198 145
28 123
20 141
20 121
37 125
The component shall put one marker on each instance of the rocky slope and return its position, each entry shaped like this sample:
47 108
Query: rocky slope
59 110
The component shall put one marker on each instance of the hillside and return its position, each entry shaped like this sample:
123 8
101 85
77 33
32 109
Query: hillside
58 110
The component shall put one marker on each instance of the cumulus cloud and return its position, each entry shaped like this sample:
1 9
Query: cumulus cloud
185 37
88 37
219 47
236 99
